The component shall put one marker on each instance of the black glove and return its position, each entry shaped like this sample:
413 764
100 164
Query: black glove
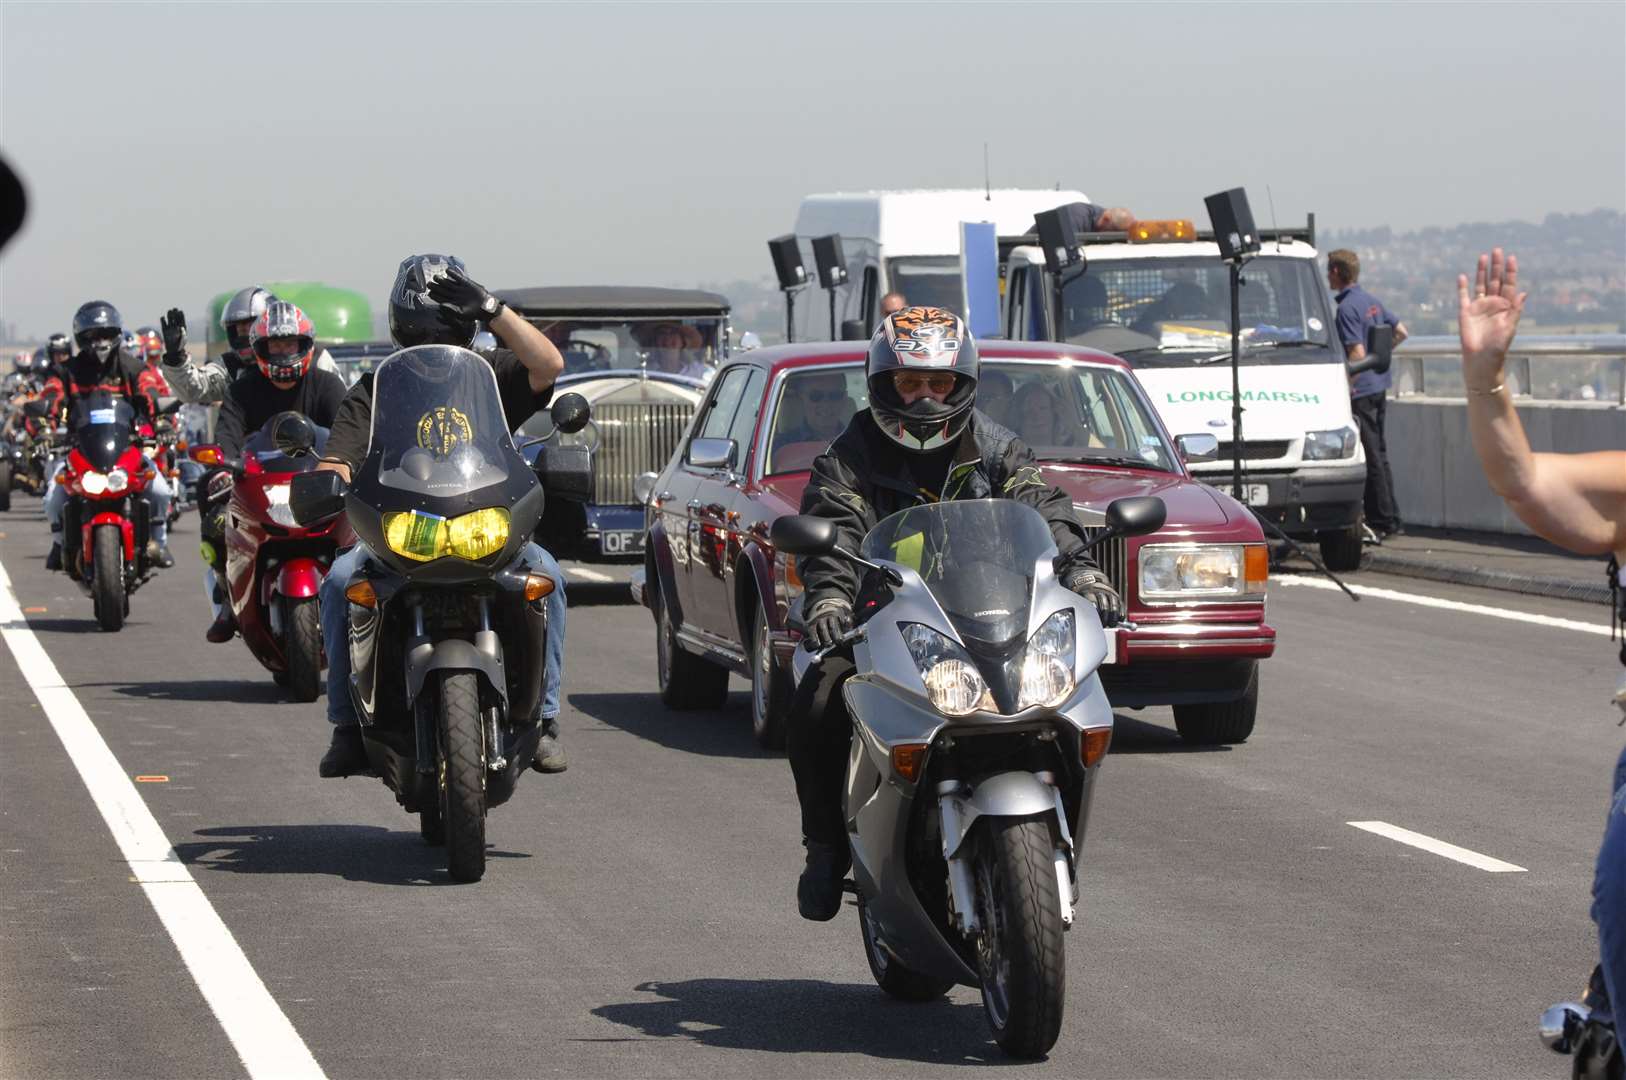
827 625
173 327
463 300
1094 587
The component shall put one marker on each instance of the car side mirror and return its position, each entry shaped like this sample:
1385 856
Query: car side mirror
1200 446
570 413
1137 516
853 330
293 434
711 453
803 534
316 496
1380 346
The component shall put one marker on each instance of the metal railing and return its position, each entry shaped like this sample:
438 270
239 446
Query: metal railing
1579 369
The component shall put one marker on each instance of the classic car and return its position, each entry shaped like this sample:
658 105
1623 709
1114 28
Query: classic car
722 598
642 357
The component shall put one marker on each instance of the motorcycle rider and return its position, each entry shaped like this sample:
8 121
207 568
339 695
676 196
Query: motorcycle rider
98 330
434 302
284 346
22 371
920 441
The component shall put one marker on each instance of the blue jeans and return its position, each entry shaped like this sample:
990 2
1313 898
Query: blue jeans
1609 892
335 610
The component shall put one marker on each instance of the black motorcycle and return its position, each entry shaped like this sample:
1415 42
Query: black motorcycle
447 620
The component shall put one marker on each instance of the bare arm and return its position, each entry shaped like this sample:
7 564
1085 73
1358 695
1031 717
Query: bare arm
1577 501
539 355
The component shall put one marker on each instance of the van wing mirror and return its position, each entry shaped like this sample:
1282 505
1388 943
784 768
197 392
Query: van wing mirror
1380 345
853 330
316 496
803 534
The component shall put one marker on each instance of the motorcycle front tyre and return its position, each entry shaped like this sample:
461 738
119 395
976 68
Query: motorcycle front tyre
461 771
107 586
890 975
1021 959
302 621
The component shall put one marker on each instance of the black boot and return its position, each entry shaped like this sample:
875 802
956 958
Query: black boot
818 893
550 756
53 561
346 755
224 627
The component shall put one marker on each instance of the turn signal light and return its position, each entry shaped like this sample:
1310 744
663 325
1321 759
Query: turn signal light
362 594
792 578
907 759
1095 746
1154 232
1255 567
208 455
537 586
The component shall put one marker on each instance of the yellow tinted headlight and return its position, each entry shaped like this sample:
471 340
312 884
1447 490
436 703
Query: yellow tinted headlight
416 535
479 534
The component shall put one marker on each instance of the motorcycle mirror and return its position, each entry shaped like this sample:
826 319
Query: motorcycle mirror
208 454
803 534
293 434
570 413
316 496
1136 516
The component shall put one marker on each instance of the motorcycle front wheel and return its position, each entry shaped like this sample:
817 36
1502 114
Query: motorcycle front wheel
303 647
107 586
1020 955
462 776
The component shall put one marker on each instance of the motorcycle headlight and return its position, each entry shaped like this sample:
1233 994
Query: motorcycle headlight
478 534
1044 669
953 684
92 483
276 499
1330 445
118 480
422 537
415 534
1202 571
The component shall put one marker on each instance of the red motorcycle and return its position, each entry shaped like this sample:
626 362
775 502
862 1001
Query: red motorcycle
275 566
104 477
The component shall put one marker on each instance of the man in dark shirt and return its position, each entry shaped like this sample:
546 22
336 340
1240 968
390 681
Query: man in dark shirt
434 302
1358 310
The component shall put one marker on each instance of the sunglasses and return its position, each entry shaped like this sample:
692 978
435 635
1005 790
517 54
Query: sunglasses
822 396
909 382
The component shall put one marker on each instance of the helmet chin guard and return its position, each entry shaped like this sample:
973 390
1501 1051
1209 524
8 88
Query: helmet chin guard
931 341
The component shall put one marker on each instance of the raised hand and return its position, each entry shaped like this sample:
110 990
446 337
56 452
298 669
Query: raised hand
1488 320
173 328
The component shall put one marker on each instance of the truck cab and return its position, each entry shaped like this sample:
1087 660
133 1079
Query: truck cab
1161 301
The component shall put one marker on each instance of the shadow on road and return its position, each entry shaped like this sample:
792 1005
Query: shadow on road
725 732
352 852
86 625
1132 736
802 1016
238 691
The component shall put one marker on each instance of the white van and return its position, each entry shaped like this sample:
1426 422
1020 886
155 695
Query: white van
902 241
1164 306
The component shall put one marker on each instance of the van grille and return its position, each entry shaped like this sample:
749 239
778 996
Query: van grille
634 438
1257 450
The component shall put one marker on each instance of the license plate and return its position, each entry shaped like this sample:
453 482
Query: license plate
1258 494
621 542
1112 646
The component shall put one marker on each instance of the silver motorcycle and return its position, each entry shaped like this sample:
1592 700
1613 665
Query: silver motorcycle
979 725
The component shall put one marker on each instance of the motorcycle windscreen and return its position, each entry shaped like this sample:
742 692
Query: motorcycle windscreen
977 557
101 422
438 424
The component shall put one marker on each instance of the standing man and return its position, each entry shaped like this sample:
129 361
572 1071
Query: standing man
1358 310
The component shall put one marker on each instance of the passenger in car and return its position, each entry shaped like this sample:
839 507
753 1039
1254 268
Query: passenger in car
818 408
1038 418
994 397
666 352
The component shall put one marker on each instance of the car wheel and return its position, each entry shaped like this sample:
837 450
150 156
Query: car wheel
770 688
686 681
1217 723
1341 550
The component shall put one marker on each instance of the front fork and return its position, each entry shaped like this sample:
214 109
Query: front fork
425 719
957 814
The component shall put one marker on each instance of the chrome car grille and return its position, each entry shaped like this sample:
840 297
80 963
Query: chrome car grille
1113 558
634 438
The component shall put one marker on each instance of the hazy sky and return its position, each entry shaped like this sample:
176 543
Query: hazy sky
174 151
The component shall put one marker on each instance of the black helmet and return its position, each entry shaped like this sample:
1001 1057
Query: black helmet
931 341
44 366
415 318
97 330
58 347
246 305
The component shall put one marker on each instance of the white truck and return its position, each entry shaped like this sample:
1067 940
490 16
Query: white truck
1164 306
902 241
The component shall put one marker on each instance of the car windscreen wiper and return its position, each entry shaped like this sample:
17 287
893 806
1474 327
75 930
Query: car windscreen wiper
1081 458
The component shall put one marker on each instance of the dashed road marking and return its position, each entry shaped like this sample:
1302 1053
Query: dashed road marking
589 575
261 1033
1438 847
1446 605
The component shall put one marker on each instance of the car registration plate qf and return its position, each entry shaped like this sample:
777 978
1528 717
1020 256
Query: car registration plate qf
621 542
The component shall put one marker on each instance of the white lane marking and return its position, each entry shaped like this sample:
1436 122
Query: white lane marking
264 1038
1445 605
588 575
1438 847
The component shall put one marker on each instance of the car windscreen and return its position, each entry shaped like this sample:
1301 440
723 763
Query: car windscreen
977 556
438 423
1177 311
813 407
1073 412
675 346
928 281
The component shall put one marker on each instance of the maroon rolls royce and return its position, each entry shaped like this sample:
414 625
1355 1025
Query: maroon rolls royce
721 596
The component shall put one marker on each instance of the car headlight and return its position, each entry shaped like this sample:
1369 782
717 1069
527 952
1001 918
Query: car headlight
1202 571
118 480
1044 669
276 499
1330 445
422 537
92 483
953 684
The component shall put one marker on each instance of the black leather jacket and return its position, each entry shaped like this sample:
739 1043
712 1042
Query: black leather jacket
865 477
